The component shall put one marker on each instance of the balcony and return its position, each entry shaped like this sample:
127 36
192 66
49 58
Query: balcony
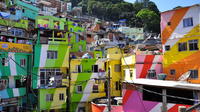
12 92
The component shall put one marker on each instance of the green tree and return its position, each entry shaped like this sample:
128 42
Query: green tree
151 20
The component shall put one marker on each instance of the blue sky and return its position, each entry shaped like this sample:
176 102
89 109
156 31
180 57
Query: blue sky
164 5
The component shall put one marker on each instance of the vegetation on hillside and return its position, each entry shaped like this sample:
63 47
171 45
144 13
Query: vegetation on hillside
137 14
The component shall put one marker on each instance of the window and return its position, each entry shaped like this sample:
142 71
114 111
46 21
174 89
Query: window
117 68
151 74
193 45
23 62
95 88
79 68
168 23
194 74
61 96
94 68
187 22
81 109
23 10
131 73
49 97
3 84
117 85
172 72
182 46
79 89
46 74
4 61
167 47
52 54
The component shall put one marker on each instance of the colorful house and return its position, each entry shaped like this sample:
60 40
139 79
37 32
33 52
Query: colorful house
51 66
15 66
113 66
180 40
28 8
146 95
61 32
88 79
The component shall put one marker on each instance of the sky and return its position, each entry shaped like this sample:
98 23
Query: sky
164 5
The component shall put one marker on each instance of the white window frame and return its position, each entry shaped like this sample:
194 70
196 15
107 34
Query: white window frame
53 72
193 42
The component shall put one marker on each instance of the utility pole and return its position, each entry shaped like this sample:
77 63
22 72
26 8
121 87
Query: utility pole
164 100
109 90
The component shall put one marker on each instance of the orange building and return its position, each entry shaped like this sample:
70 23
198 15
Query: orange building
180 31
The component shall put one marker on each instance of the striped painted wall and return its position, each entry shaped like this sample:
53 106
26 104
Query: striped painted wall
174 32
12 92
41 60
56 103
86 80
133 102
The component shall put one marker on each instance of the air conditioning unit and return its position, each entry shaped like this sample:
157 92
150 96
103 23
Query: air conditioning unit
181 108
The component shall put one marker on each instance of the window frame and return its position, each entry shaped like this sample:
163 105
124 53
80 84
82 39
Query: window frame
188 22
194 44
116 69
52 54
149 74
22 62
61 96
182 46
4 61
172 72
77 89
95 70
49 97
192 74
95 88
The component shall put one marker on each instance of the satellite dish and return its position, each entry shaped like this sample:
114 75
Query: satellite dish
185 76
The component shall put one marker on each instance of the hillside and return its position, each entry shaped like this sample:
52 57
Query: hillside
137 14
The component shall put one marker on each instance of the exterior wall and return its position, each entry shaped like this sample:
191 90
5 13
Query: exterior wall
172 35
21 24
128 64
114 53
148 62
56 103
133 102
30 11
138 66
116 76
13 72
41 61
103 108
86 80
49 22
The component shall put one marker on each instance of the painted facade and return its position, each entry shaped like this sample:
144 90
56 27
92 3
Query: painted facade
87 82
104 108
180 40
133 101
28 9
15 68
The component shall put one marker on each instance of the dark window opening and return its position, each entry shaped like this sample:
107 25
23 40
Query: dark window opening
167 47
94 68
95 88
193 45
168 23
187 22
182 46
172 72
151 74
194 74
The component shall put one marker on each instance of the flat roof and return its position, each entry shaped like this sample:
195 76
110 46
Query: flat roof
166 83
